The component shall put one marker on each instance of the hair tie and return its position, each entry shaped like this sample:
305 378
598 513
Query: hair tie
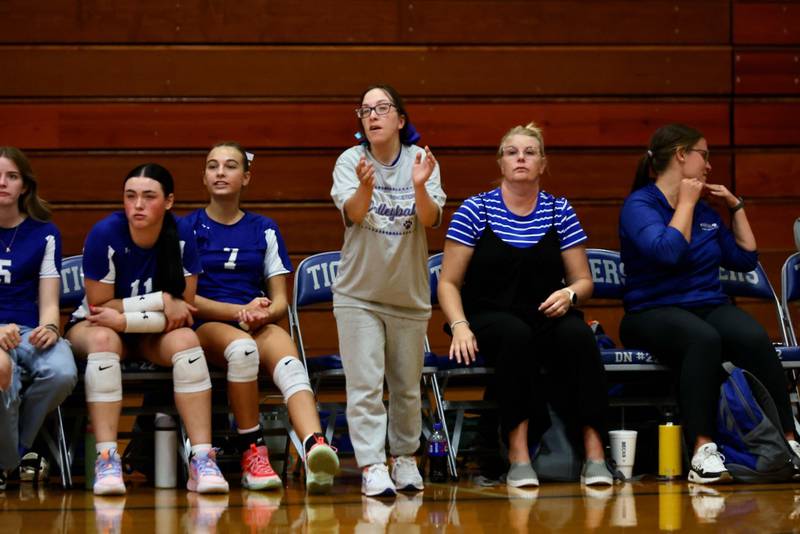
250 157
411 135
649 153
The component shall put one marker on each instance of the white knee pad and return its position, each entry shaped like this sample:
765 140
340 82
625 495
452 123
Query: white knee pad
103 377
242 357
190 371
290 376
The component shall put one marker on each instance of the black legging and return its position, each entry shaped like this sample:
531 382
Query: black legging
573 380
695 342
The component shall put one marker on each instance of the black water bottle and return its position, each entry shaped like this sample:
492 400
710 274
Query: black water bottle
437 455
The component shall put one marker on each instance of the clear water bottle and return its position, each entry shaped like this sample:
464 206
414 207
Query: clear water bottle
437 455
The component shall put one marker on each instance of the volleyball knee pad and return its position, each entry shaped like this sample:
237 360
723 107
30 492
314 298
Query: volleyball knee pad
190 371
103 377
290 376
242 357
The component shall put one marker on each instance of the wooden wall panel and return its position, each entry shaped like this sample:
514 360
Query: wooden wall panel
773 23
361 21
305 175
772 222
768 174
773 122
767 72
296 72
167 126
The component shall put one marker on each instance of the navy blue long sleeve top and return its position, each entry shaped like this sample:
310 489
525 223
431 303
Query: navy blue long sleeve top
661 268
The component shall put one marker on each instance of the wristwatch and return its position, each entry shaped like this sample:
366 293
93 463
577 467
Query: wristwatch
573 298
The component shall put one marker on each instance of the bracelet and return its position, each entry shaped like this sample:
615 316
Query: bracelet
53 328
739 205
454 323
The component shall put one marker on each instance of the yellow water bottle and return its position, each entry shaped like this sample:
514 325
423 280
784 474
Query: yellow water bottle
669 450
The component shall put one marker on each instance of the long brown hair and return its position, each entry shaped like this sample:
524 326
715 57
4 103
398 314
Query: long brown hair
30 203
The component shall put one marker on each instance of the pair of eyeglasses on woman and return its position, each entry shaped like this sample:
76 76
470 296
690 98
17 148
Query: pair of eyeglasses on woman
705 154
380 109
513 152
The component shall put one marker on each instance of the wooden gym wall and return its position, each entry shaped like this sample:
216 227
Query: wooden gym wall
91 88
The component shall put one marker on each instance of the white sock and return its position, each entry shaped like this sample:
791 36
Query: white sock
247 430
201 449
104 446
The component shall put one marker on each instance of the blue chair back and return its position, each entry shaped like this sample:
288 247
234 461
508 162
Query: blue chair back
314 277
434 271
72 286
608 273
790 278
753 284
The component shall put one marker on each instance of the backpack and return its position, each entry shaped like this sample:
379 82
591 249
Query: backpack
749 433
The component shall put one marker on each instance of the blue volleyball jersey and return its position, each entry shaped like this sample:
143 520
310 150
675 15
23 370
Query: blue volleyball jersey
28 252
111 257
237 258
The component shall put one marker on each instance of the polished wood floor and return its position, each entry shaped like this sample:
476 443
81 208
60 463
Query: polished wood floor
644 506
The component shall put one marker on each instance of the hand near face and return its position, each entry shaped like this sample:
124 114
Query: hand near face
423 169
721 192
689 191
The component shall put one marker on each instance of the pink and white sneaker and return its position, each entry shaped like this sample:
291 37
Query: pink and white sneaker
257 473
108 474
204 474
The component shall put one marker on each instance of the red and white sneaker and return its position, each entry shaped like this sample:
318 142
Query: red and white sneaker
108 474
257 473
322 464
204 474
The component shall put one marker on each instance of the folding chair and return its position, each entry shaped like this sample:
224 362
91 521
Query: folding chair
790 292
312 286
449 371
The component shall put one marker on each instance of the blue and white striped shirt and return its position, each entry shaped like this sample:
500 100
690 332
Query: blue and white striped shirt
469 221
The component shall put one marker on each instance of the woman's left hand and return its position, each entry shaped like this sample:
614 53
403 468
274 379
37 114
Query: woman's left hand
178 312
423 169
42 337
721 192
556 304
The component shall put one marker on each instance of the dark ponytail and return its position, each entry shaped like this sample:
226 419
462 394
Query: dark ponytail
663 144
169 265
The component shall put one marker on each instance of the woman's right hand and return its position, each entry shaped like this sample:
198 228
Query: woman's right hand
464 346
365 172
9 337
689 191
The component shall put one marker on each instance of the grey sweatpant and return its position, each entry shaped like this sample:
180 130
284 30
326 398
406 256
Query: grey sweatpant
41 381
373 346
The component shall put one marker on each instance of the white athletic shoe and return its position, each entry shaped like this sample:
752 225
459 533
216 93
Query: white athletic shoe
375 481
795 446
405 474
708 466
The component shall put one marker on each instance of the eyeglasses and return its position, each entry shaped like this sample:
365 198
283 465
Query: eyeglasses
703 153
380 109
513 152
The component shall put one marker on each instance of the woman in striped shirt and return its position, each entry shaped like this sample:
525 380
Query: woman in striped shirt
507 256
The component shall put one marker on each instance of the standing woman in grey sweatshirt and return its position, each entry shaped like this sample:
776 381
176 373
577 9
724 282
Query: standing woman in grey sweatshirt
388 190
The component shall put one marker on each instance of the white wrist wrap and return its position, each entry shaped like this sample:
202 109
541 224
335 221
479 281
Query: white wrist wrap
144 322
146 302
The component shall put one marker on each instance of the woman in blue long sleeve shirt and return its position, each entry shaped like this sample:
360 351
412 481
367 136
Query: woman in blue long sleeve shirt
673 244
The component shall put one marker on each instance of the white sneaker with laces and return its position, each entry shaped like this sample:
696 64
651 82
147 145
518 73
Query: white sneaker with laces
708 466
405 474
375 481
795 446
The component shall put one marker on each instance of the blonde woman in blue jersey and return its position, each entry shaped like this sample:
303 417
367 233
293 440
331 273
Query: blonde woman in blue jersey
140 272
241 295
30 344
